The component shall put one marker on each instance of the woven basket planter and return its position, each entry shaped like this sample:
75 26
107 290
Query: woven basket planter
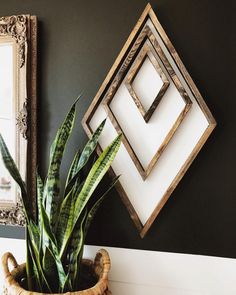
100 267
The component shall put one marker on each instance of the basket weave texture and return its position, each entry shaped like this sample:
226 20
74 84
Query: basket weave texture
101 266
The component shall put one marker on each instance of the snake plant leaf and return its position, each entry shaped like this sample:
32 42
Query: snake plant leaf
85 155
40 188
36 275
14 172
34 234
39 196
46 225
29 263
50 246
67 283
73 167
66 217
91 145
95 207
78 237
76 251
50 269
96 174
34 251
44 279
53 249
39 274
63 281
54 144
52 187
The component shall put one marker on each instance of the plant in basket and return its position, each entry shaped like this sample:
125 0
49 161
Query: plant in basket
55 237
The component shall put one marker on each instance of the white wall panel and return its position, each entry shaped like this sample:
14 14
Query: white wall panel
136 272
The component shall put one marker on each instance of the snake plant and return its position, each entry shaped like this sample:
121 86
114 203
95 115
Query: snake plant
55 237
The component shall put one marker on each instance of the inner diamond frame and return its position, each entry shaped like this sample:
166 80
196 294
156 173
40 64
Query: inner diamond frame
146 52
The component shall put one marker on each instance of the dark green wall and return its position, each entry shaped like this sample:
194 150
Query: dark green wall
78 42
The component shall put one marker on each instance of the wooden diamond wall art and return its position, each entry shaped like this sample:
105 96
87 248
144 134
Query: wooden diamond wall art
149 96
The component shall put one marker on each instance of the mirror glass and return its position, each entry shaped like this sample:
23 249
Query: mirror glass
7 118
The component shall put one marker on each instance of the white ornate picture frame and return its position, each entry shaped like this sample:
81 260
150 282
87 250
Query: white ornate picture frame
18 104
149 96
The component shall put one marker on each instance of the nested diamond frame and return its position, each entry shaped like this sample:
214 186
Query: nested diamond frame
145 35
113 79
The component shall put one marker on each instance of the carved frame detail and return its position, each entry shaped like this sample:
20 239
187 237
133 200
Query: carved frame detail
22 120
15 26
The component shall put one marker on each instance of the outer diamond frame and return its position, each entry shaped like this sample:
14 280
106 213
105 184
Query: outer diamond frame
149 15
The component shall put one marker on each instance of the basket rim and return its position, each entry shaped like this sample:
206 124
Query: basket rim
101 262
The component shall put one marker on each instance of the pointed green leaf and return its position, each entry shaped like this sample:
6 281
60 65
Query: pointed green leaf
13 170
66 218
50 269
34 234
39 196
76 251
52 187
52 248
96 174
60 270
36 274
91 145
29 263
64 289
73 167
46 225
35 256
85 155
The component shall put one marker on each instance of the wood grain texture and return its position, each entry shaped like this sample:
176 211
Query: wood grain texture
32 98
97 100
147 51
202 104
112 82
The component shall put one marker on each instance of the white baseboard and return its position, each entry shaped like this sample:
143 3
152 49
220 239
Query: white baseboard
138 272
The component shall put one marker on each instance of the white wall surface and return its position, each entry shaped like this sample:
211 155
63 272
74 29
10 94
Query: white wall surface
136 272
